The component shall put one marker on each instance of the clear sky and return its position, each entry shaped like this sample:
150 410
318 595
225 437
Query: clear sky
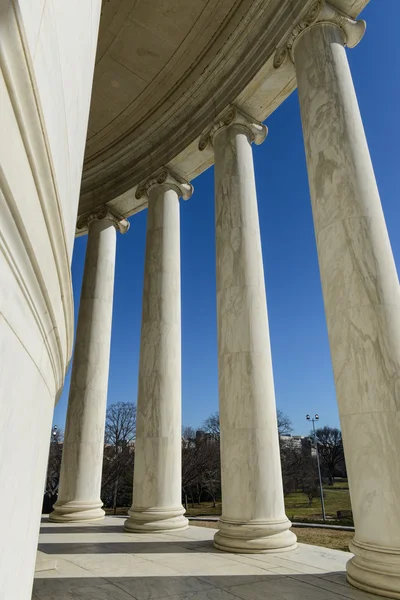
300 350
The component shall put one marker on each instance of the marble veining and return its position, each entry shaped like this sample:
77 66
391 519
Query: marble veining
253 516
362 301
82 460
157 477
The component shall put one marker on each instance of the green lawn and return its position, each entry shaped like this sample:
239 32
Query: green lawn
339 484
297 506
204 510
298 509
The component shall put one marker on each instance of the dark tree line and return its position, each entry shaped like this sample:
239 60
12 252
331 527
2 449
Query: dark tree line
201 470
53 469
119 455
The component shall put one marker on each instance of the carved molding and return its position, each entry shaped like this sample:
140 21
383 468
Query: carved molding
104 212
233 116
321 12
42 280
167 179
145 147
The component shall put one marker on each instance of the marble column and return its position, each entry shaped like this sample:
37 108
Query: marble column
361 295
157 485
82 459
253 512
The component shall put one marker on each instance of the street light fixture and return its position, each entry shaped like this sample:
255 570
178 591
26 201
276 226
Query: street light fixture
316 418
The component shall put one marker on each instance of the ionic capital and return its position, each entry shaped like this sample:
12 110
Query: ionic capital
233 116
321 12
168 180
103 213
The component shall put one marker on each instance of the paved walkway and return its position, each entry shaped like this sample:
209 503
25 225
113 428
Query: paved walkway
101 562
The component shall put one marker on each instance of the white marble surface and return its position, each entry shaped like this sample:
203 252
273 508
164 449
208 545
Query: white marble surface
105 563
37 233
157 475
44 562
59 36
362 301
82 459
253 514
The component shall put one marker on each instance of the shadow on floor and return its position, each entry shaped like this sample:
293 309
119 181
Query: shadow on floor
127 547
83 529
327 586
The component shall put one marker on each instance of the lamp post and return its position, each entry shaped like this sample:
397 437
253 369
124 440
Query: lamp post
316 418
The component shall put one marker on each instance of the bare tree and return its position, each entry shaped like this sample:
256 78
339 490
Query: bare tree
285 426
309 487
188 435
330 447
201 470
53 468
120 433
292 459
212 427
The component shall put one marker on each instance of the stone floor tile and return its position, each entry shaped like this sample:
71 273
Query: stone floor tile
339 587
79 589
158 586
211 593
101 562
281 588
248 559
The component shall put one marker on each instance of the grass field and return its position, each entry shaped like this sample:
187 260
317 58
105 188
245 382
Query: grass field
298 509
337 497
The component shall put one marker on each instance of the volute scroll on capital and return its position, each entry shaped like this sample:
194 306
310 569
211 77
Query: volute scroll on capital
233 116
105 213
321 12
167 179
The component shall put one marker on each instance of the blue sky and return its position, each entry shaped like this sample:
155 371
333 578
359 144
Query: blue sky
300 350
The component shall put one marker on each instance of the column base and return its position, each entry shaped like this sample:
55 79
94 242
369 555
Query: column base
255 536
76 512
151 520
374 569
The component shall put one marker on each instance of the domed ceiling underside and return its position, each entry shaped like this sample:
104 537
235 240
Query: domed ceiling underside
165 69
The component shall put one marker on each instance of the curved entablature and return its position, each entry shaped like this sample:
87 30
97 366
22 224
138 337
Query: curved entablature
165 73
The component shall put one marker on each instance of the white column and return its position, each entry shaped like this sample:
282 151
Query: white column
157 486
361 295
82 459
253 512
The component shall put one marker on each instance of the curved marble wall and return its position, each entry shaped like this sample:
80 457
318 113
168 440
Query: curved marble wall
47 55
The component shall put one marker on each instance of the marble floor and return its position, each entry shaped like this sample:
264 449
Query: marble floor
101 562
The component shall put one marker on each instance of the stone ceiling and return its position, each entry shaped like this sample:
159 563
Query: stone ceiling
165 69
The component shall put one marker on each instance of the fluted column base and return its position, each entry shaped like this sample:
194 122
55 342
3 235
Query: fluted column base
151 520
374 569
77 512
255 536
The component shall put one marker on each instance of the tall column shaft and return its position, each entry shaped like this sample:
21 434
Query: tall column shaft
157 486
82 459
362 301
253 513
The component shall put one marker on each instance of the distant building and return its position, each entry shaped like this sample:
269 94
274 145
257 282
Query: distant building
299 442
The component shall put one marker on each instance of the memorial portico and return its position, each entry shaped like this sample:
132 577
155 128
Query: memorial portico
167 103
